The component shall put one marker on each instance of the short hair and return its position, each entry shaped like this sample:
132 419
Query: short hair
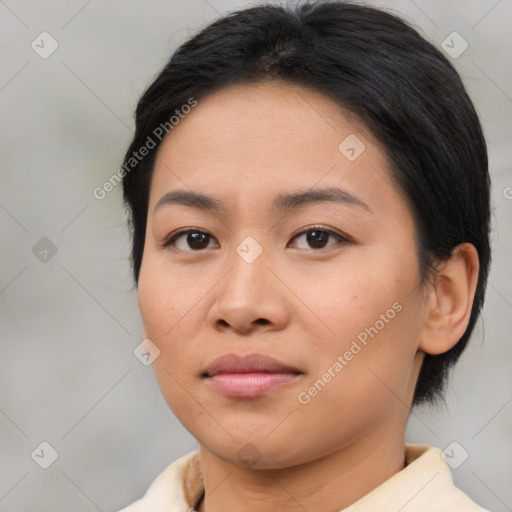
376 66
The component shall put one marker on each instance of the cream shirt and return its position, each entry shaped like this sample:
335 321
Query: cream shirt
424 485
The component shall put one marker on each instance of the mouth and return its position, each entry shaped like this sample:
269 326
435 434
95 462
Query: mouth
248 376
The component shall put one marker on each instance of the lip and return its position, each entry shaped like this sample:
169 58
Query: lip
248 376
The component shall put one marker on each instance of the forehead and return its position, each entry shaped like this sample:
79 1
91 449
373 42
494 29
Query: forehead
254 140
247 114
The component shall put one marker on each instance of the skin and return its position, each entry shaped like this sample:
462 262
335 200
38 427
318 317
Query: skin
299 303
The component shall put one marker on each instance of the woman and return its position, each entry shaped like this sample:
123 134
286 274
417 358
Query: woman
308 191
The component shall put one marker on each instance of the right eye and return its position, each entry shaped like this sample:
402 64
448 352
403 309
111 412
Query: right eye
196 239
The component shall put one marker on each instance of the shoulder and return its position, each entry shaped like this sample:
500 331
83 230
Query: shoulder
174 489
424 485
428 464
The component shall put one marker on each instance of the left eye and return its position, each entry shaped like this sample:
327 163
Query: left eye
198 240
317 237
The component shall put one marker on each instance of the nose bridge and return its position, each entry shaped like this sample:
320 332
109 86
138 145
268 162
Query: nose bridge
245 296
249 296
248 267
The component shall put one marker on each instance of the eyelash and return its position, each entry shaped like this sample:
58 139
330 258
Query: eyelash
174 237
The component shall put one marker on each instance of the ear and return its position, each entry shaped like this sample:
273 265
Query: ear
450 300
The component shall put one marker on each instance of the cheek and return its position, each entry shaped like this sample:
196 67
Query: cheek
152 303
352 302
161 313
166 304
362 379
373 321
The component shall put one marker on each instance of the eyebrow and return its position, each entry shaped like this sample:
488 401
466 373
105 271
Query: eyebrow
284 202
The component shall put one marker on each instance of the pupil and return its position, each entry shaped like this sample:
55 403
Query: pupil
315 237
196 239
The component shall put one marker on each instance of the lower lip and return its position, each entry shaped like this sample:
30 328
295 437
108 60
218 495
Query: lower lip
249 384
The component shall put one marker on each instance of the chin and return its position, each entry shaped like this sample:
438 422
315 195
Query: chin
258 453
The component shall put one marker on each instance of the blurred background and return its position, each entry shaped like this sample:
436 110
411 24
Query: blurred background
83 426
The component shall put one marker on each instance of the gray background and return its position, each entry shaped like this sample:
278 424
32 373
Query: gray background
69 325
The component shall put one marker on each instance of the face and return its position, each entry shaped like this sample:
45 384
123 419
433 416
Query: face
326 285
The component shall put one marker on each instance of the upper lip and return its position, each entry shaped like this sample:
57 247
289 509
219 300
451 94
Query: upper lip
235 363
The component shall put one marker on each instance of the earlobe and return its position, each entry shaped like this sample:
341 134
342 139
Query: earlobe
450 300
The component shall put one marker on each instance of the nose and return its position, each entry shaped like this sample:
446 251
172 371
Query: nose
250 296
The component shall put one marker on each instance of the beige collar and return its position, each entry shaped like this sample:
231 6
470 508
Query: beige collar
425 484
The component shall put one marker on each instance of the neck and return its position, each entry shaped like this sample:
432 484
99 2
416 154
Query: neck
329 483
